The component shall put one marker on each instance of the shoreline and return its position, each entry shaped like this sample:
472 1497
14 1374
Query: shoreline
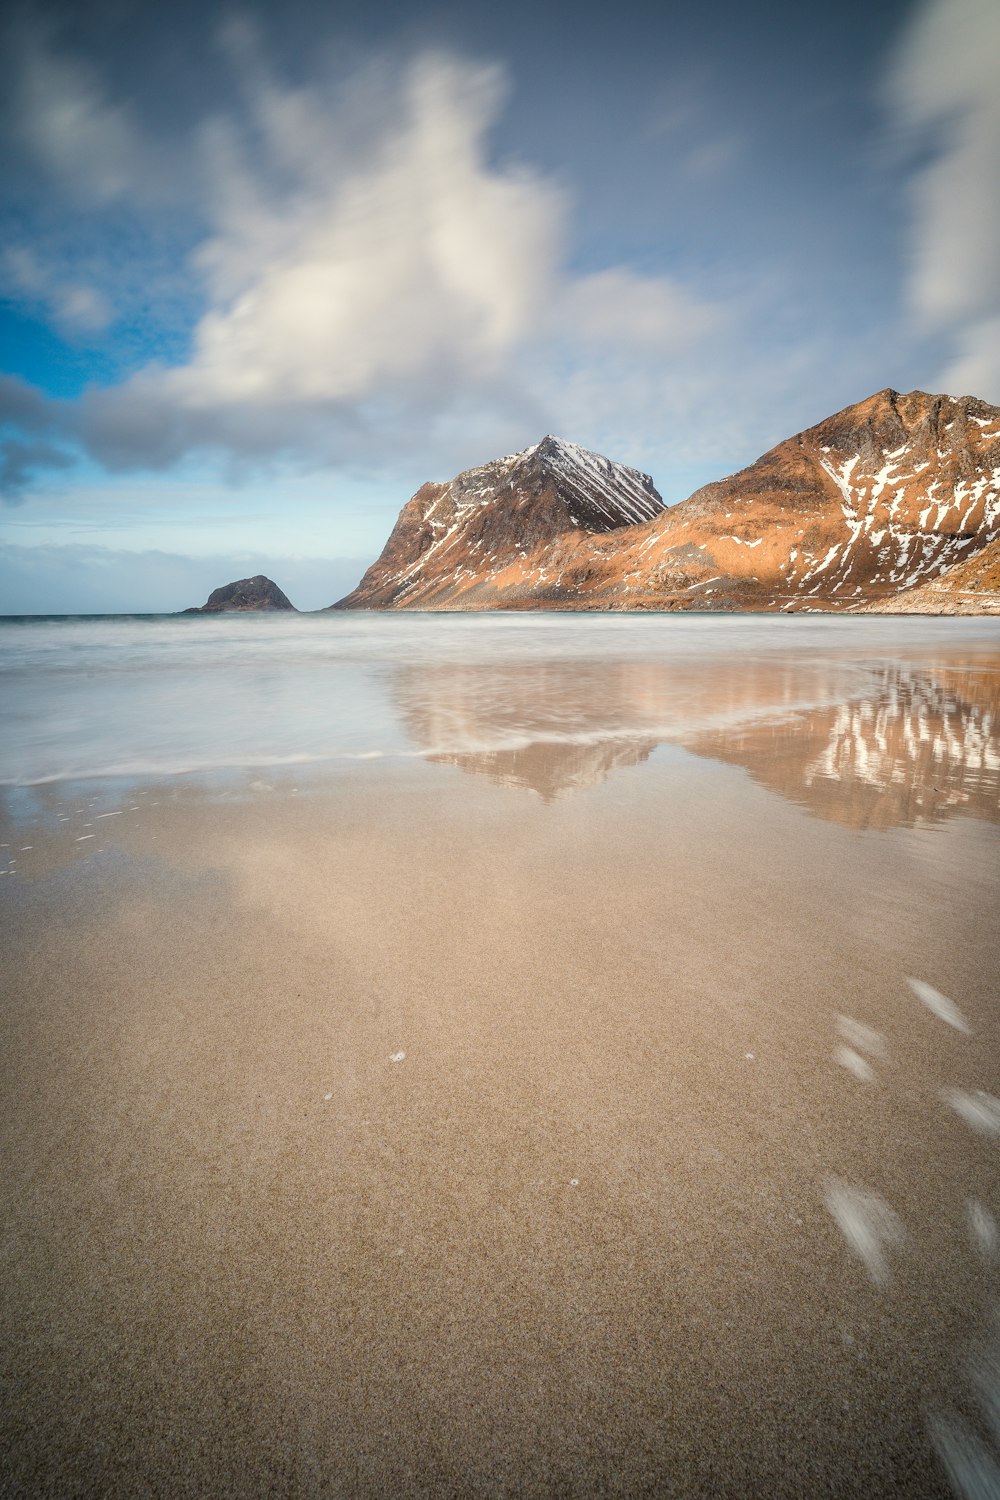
850 611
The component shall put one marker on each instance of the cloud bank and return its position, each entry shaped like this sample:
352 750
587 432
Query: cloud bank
78 579
946 102
372 282
343 274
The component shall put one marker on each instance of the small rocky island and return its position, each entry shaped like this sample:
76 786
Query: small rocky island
242 596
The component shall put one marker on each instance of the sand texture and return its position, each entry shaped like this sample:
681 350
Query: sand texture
412 1133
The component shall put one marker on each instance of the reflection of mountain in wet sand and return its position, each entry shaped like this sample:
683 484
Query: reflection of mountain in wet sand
558 726
896 746
918 747
552 727
550 769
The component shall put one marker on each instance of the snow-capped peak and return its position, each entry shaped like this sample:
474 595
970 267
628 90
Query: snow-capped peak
608 491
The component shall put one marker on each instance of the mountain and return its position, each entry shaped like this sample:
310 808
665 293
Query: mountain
502 531
244 595
881 497
887 495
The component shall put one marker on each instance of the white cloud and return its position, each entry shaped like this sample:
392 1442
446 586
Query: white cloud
622 308
379 291
378 285
976 370
944 94
423 261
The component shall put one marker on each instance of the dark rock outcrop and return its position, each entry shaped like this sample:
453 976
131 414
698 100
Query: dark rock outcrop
242 596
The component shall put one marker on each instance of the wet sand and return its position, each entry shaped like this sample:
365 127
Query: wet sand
409 1133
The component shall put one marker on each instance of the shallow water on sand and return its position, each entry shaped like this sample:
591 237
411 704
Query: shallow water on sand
539 700
579 1073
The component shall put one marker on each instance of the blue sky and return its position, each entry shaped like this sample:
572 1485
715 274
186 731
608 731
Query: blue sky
260 280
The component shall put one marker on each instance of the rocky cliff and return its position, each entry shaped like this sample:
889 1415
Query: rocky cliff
886 496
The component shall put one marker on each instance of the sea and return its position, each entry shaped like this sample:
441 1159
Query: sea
901 712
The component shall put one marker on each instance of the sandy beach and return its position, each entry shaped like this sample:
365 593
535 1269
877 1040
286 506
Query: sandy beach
406 1132
499 750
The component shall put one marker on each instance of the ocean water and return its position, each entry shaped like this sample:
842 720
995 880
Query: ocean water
890 720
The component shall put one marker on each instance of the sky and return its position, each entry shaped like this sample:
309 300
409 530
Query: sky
262 276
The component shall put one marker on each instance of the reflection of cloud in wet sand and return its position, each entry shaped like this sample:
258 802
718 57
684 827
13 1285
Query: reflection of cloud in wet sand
899 746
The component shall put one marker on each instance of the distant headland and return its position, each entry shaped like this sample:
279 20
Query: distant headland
242 596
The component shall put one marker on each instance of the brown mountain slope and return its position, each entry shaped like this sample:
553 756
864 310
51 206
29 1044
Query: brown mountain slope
969 588
885 495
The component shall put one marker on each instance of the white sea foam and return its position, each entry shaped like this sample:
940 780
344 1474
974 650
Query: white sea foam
861 1037
982 1228
972 1464
972 1469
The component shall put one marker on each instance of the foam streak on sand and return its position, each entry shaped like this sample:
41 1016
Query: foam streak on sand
869 1225
864 1038
980 1111
973 1470
855 1063
983 1229
939 1005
